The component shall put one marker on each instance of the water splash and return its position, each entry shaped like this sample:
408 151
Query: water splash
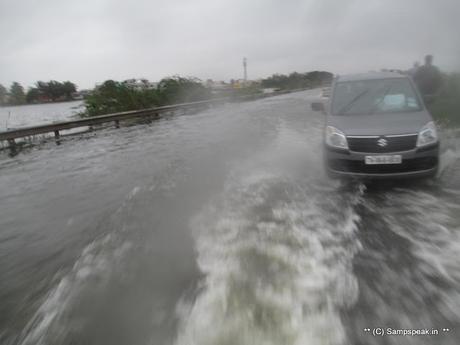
277 258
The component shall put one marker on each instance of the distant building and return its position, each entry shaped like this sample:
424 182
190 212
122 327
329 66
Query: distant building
217 86
81 94
394 70
220 87
241 83
140 84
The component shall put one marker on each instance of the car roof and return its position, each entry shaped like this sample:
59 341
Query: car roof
370 76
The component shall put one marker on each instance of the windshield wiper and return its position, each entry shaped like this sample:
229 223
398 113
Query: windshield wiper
352 102
376 105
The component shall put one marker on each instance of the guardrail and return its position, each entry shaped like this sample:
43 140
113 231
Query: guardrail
56 127
96 120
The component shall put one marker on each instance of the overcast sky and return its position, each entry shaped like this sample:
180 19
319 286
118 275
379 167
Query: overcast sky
88 41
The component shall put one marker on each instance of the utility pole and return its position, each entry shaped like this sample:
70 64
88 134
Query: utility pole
245 63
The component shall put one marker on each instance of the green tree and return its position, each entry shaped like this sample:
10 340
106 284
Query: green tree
68 88
17 95
32 95
3 95
42 88
113 96
446 104
180 90
55 90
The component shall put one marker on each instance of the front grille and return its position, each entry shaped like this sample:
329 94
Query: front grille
392 144
407 165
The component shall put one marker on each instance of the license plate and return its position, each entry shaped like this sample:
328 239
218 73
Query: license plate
394 159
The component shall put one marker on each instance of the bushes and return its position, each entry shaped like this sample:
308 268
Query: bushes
113 96
446 105
181 90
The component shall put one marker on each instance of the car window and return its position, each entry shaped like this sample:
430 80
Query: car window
374 96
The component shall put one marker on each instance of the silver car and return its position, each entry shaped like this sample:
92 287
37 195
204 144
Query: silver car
378 126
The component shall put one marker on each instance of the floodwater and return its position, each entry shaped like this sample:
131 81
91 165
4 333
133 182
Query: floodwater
221 228
37 114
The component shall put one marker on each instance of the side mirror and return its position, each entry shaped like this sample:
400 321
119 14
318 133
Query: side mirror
317 106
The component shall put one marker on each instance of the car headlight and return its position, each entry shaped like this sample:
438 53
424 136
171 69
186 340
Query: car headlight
427 135
336 138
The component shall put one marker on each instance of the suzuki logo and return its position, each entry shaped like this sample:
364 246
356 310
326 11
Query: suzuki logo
382 142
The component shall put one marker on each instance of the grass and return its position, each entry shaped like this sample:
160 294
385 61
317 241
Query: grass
446 106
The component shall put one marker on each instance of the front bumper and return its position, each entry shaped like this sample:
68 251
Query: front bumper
415 163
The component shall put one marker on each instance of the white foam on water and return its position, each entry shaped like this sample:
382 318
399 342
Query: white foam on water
92 270
433 232
133 192
94 264
448 158
279 280
428 224
277 255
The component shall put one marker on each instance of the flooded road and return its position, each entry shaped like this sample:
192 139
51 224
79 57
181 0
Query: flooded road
221 228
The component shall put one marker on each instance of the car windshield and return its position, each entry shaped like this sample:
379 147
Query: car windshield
374 96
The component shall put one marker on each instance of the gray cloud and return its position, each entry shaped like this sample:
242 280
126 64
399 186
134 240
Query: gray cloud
88 41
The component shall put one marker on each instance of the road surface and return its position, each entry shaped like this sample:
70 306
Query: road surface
220 228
